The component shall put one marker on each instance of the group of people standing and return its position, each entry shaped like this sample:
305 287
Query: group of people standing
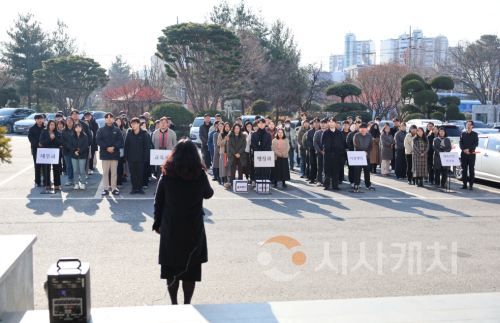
228 149
322 145
124 149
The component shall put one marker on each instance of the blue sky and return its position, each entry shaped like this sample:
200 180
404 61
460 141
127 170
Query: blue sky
105 29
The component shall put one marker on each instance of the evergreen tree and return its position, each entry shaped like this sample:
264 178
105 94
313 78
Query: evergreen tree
119 72
28 47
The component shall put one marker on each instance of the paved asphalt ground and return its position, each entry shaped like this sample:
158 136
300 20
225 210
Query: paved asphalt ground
114 235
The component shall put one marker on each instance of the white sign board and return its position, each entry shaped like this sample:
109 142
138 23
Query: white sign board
449 159
263 159
263 186
356 158
240 186
158 156
47 156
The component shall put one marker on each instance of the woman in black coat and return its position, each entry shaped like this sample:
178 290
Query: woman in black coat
51 138
178 211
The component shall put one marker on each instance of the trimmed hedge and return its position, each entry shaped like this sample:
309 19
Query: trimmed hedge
414 116
179 114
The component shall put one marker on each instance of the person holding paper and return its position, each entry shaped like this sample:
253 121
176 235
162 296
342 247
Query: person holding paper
280 146
363 142
34 139
261 141
136 153
440 144
332 147
79 150
419 158
469 141
236 155
51 138
164 139
349 146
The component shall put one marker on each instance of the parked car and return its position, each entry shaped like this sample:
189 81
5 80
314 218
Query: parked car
391 124
477 124
9 116
423 122
487 158
251 118
452 131
195 129
98 117
23 126
486 131
496 126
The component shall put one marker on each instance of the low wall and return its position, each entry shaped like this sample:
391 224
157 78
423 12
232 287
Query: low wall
16 273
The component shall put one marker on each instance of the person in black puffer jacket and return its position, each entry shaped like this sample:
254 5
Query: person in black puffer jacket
79 149
51 138
261 141
110 140
136 153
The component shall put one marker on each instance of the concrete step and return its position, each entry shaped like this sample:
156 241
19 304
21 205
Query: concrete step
479 307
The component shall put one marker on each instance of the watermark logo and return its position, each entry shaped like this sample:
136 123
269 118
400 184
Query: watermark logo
381 259
298 258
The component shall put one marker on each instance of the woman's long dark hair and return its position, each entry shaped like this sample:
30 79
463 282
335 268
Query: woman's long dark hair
81 132
48 125
374 131
234 126
184 161
424 137
224 133
277 133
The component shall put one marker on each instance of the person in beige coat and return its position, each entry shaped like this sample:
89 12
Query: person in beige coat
409 154
165 139
281 147
224 166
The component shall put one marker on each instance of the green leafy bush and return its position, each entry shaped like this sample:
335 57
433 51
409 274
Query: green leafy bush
179 114
437 115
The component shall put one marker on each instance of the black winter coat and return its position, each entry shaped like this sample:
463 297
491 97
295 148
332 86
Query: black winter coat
310 138
51 143
332 143
34 135
266 143
350 141
109 136
178 212
85 127
137 146
94 127
203 133
80 144
344 140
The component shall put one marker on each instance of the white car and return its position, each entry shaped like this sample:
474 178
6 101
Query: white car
487 158
23 126
195 129
422 122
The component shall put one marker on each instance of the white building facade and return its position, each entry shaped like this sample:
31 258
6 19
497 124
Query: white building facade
424 51
356 52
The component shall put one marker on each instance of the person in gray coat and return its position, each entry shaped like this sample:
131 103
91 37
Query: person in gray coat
318 145
441 144
387 150
399 139
290 135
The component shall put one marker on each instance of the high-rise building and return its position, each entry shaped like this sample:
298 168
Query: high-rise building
356 52
424 51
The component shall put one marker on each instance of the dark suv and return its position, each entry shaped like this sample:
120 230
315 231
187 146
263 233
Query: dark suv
10 115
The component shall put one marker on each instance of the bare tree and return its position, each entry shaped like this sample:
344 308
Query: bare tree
476 65
315 82
381 88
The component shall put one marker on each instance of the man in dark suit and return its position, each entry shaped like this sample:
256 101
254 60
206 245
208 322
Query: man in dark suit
332 146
